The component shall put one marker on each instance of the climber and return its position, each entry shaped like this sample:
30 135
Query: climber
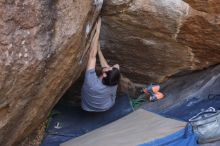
98 93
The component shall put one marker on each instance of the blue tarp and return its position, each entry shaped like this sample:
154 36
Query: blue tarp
73 121
184 137
190 108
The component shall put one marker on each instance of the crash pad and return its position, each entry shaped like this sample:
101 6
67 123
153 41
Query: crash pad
137 128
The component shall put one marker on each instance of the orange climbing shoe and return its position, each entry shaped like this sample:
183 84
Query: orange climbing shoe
156 88
153 88
156 96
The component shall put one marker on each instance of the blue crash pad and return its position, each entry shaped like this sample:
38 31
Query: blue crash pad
72 121
183 137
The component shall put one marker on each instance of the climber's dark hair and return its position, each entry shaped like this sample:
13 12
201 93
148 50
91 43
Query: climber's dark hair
112 78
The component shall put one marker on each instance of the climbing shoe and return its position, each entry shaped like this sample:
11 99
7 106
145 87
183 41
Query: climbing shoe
156 96
151 89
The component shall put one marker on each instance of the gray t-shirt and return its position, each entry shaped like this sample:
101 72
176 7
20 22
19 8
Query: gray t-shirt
96 96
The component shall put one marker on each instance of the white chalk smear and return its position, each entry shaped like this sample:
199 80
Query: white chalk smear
98 4
88 29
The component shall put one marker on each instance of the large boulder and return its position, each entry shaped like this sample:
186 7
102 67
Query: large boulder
155 39
210 6
43 49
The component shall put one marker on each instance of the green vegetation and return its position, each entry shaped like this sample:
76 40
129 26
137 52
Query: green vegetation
138 102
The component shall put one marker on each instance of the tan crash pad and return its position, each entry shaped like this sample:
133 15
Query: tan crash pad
136 128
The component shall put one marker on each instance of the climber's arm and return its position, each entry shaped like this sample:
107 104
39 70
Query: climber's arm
94 48
102 59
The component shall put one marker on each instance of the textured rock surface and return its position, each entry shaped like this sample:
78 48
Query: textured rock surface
210 6
42 50
153 40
